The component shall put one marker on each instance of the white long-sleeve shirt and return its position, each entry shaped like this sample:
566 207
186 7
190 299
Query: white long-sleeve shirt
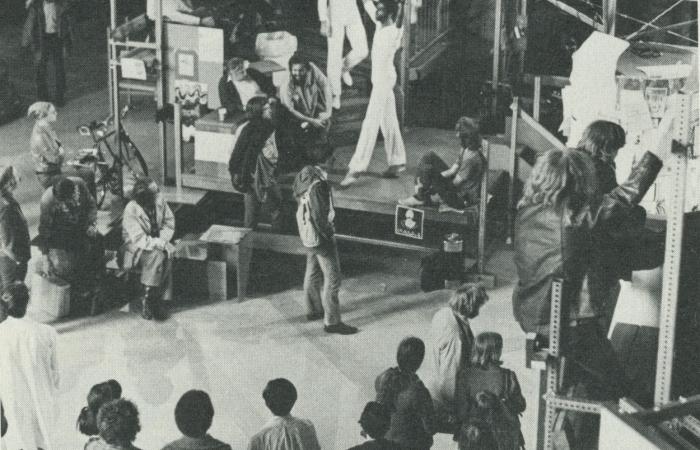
171 10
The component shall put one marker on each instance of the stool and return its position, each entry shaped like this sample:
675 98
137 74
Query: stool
228 247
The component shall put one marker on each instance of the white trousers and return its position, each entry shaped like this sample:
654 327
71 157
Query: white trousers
355 31
381 115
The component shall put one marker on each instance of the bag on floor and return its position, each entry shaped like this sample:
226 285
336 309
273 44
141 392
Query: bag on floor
432 272
50 296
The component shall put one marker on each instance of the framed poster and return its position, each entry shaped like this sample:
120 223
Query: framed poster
409 222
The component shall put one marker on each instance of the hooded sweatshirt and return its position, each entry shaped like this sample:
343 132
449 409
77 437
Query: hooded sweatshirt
319 201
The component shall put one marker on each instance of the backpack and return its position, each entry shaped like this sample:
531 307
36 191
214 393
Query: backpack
506 430
310 237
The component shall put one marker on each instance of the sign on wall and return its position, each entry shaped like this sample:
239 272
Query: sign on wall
409 222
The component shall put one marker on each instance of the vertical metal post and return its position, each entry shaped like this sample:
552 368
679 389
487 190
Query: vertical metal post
177 132
496 54
109 68
671 277
515 107
483 201
609 16
536 98
405 62
160 90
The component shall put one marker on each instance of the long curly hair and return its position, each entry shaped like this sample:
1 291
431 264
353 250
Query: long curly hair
562 177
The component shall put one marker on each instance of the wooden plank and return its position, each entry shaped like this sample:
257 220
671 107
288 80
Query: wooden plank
183 196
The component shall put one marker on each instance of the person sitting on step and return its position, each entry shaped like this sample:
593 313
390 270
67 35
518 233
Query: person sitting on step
458 186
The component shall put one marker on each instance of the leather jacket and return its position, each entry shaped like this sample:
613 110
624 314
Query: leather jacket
556 242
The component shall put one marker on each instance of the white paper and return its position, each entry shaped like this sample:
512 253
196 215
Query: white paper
133 68
210 42
185 65
593 91
666 72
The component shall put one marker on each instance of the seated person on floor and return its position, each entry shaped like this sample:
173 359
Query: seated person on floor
253 163
68 239
148 225
239 84
307 96
458 186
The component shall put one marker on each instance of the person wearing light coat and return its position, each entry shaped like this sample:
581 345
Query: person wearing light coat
148 226
29 377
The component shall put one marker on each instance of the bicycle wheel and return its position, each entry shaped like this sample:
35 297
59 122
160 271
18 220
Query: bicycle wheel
134 160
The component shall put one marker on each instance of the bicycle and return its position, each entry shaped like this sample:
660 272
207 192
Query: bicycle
107 163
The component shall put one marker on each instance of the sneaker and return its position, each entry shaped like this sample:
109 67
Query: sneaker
340 328
444 207
350 179
346 77
411 201
311 317
336 102
393 171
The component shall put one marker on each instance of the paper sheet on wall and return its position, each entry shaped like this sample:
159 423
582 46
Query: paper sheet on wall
211 45
593 91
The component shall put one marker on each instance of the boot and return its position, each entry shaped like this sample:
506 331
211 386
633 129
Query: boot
147 303
155 298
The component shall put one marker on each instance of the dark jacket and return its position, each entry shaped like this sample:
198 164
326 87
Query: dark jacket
500 381
412 414
65 227
555 242
35 24
229 97
320 200
377 444
245 153
14 232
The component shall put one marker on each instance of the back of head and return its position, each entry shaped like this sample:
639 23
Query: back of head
410 354
15 297
468 299
118 422
255 106
115 387
468 131
391 7
99 395
39 110
63 189
375 420
306 176
236 63
194 413
487 351
562 177
280 396
602 139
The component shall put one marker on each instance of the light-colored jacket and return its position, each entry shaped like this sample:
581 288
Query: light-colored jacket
29 383
452 340
136 229
45 148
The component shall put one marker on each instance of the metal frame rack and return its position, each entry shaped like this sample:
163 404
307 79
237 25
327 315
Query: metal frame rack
115 49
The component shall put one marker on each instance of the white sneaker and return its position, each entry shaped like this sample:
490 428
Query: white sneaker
346 77
350 179
411 201
336 102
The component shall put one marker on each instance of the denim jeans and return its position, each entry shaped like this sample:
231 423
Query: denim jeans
322 283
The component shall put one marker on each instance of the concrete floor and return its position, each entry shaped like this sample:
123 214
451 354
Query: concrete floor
231 349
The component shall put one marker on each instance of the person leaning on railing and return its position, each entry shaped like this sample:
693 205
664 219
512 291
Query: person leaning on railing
562 219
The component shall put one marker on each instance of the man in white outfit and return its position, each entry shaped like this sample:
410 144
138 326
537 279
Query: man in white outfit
28 374
381 110
340 18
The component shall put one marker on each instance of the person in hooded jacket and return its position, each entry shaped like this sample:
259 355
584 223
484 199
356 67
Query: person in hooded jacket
148 226
322 263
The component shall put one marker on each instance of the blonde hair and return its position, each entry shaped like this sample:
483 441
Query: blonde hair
468 299
39 110
561 175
